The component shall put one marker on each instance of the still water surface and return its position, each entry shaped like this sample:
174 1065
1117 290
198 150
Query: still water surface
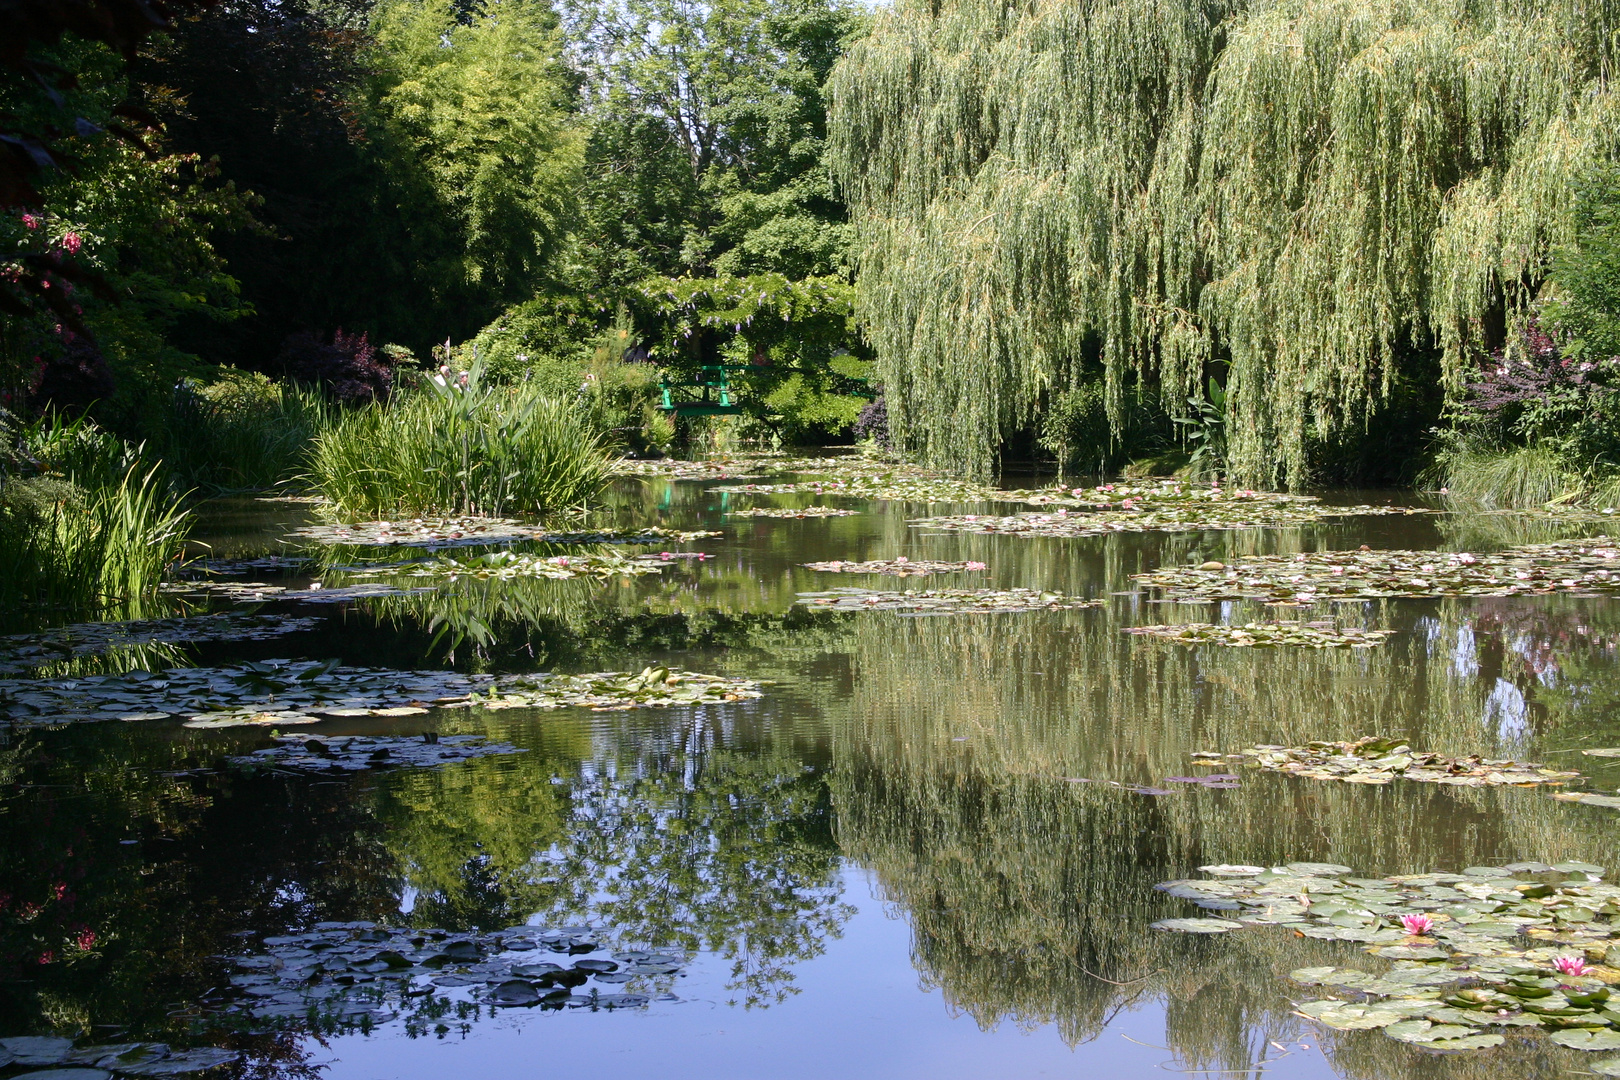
885 867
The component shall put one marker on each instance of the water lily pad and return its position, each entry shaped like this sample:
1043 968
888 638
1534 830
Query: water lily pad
1583 566
1585 1039
1375 760
185 1062
1267 634
896 567
64 1074
793 512
1316 869
943 601
438 533
1607 1067
37 1049
1224 870
356 753
1197 926
1589 798
515 992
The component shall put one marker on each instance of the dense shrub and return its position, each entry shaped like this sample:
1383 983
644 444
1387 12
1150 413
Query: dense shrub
349 368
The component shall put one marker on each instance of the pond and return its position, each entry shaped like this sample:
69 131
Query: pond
887 841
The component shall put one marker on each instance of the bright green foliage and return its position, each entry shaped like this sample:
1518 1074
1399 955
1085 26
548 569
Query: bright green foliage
1584 309
1308 190
709 138
478 112
460 448
86 529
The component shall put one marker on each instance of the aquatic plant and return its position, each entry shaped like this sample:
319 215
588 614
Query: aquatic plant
1372 760
793 512
1308 635
86 528
241 433
943 601
1417 925
1587 565
899 566
462 447
1573 966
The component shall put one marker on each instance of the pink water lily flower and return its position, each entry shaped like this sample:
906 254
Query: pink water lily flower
975 566
1417 924
1570 965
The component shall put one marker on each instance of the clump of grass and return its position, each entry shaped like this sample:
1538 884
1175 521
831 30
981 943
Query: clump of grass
242 433
459 446
1513 478
86 528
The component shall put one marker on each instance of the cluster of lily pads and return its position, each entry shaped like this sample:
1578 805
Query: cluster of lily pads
943 601
1522 947
502 565
1374 760
358 973
255 592
20 653
1301 634
793 512
1173 518
98 1061
362 753
899 485
899 566
435 533
1578 566
275 693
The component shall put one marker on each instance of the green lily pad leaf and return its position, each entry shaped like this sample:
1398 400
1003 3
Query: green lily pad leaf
1312 976
1408 952
1346 1017
1589 798
1607 1067
1607 751
1224 870
1410 1031
1573 867
1586 1039
1197 926
1317 869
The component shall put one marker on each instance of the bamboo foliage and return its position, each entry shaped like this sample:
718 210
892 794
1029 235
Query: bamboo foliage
1309 190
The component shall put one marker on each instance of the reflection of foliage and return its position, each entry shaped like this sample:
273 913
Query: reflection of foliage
1025 891
731 853
686 848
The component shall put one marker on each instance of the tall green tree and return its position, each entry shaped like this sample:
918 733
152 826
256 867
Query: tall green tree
707 153
1313 199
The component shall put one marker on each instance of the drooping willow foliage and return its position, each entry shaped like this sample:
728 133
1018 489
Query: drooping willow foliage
1309 191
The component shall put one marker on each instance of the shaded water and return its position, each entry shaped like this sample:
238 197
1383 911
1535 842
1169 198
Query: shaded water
882 868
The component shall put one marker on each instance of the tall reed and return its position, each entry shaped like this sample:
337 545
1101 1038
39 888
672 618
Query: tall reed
460 446
242 433
86 527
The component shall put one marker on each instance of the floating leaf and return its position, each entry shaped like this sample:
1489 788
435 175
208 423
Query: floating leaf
1566 566
943 601
1585 1039
1197 926
898 567
793 512
1265 634
1372 760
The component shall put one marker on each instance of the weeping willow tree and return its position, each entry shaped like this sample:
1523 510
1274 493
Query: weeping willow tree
1300 194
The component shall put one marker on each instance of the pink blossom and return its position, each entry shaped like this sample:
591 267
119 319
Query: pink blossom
72 241
1417 924
31 221
47 956
86 940
975 566
901 559
1570 965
